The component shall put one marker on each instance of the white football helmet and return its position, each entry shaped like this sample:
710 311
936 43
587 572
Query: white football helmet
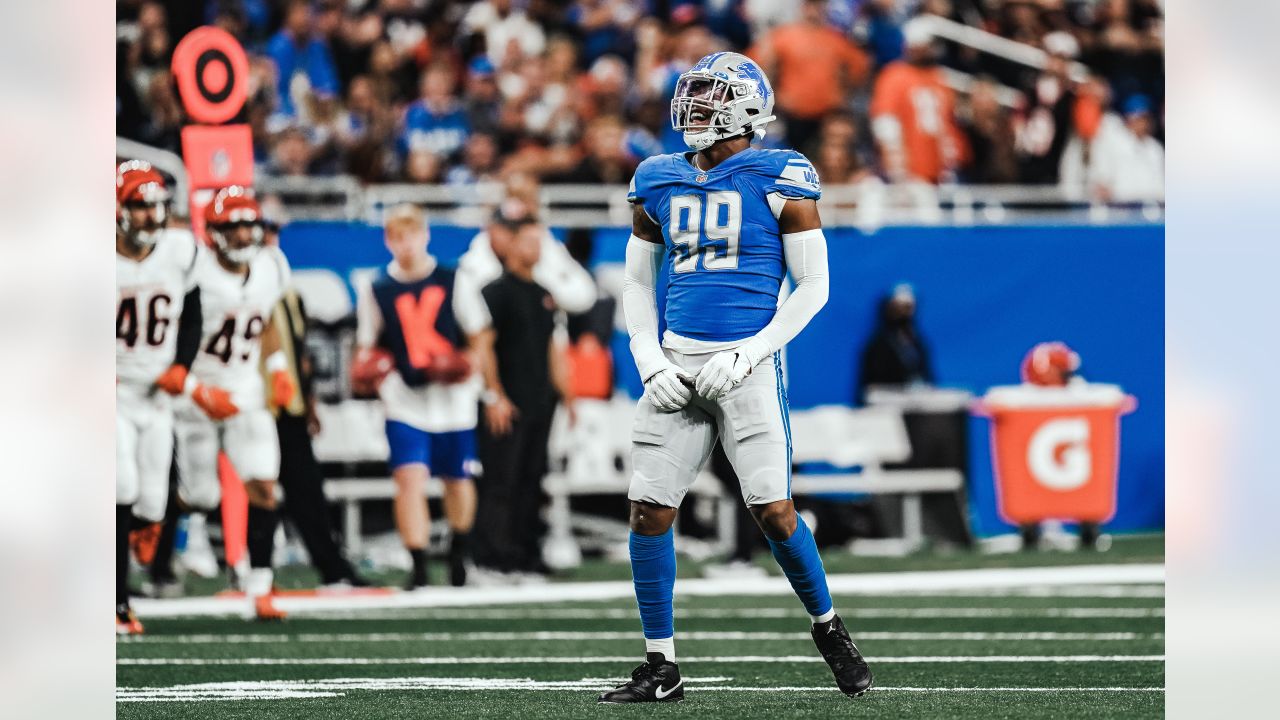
723 95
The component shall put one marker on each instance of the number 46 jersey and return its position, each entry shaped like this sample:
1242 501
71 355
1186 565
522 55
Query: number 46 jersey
722 239
149 295
235 311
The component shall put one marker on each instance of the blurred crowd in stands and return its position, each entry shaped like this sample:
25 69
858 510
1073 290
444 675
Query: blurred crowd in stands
577 91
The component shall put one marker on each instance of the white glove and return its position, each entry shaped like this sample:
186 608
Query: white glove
667 389
722 373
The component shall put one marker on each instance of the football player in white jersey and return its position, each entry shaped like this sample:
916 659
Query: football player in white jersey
238 290
157 332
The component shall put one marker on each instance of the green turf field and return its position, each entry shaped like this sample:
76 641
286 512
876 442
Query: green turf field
1082 651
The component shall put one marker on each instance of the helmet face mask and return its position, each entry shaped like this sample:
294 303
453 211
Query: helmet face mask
724 95
234 223
227 238
142 222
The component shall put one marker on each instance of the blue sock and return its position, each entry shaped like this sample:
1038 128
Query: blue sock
653 570
799 560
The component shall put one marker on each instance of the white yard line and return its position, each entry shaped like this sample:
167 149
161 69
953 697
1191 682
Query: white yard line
1082 591
553 635
732 613
630 658
847 584
734 688
339 687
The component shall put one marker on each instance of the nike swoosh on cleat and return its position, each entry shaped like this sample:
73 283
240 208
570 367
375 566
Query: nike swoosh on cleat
660 694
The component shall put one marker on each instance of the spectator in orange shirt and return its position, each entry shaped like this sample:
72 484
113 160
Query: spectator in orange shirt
813 67
913 114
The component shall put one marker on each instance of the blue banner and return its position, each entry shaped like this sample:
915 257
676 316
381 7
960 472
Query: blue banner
985 296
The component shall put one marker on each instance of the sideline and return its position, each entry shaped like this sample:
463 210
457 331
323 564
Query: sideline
886 583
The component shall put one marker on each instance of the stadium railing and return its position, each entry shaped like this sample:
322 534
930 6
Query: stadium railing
865 205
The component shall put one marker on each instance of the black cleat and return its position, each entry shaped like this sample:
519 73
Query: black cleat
655 681
853 676
457 569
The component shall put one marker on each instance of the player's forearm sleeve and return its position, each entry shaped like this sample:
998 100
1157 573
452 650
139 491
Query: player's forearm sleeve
806 254
640 305
189 328
568 282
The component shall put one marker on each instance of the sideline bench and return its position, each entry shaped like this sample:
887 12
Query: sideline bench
593 458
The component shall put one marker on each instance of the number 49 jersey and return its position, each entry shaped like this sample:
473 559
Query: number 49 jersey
722 239
149 295
235 311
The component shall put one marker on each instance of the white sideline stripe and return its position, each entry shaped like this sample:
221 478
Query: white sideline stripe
717 613
631 658
548 635
887 583
1085 591
338 687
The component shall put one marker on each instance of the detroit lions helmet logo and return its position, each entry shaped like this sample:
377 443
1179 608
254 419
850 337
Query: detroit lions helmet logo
751 71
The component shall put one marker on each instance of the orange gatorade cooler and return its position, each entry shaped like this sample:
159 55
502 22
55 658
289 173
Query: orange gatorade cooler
1055 450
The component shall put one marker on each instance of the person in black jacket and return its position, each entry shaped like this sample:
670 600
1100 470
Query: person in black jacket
895 354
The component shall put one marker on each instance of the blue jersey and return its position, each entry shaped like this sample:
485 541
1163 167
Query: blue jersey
722 237
440 134
417 321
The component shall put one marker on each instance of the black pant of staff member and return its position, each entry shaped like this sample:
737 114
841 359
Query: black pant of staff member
301 476
524 373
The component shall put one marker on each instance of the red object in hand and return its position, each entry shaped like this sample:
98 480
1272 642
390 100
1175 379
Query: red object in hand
214 401
448 368
281 388
173 380
369 368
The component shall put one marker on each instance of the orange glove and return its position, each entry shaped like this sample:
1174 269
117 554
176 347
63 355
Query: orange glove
173 380
214 401
281 388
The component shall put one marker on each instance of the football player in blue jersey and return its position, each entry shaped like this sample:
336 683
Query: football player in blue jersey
724 223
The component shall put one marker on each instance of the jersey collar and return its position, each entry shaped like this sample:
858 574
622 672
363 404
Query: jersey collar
690 168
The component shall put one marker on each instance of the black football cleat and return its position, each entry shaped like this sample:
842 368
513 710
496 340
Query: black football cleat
459 558
457 568
853 676
655 681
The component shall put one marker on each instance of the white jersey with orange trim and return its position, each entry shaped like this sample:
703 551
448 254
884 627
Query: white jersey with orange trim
149 295
236 309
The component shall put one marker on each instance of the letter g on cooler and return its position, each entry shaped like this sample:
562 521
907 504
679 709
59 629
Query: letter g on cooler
1058 454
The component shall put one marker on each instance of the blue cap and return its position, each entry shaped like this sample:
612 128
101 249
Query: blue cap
1137 104
480 65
